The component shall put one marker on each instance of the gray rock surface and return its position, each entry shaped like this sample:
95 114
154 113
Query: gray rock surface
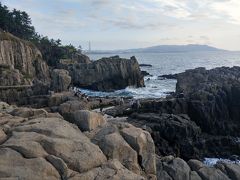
107 74
60 80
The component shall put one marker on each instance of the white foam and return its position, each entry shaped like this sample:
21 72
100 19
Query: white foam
213 161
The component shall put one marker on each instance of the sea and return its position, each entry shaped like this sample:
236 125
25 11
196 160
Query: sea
167 63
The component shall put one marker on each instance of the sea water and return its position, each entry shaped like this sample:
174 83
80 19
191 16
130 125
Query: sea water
167 63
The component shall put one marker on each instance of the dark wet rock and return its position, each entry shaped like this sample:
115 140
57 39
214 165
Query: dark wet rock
145 65
145 73
107 74
168 76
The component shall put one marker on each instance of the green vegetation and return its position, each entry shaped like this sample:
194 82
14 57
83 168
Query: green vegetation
19 24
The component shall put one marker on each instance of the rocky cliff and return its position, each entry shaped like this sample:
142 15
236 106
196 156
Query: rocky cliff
107 74
20 61
21 65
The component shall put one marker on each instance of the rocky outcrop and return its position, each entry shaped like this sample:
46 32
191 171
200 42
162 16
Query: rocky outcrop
213 98
87 120
132 146
60 80
21 58
201 119
21 65
107 74
40 145
171 168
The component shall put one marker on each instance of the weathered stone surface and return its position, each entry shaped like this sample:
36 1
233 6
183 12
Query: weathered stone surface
87 120
194 176
60 80
211 173
142 142
21 65
177 169
115 147
107 74
42 136
195 165
232 170
28 112
112 170
3 136
13 164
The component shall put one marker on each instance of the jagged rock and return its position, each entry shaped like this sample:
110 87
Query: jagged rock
21 64
142 142
115 147
107 74
87 120
23 56
60 80
135 156
168 128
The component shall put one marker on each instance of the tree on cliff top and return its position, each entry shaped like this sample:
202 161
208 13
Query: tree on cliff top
19 24
16 22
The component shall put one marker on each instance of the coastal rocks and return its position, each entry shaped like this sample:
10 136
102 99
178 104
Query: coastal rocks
213 98
87 120
171 168
113 169
135 151
107 74
142 142
22 70
60 80
17 54
56 149
145 65
14 165
172 134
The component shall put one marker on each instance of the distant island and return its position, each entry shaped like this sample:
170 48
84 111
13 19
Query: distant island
161 49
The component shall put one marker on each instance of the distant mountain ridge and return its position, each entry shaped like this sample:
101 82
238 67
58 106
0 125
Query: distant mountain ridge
164 49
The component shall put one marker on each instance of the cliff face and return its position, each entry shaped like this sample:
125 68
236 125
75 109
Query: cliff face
107 74
20 62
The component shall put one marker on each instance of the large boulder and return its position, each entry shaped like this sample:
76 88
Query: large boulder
107 74
60 80
87 120
142 142
135 151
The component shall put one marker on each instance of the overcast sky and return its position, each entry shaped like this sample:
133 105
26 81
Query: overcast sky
122 24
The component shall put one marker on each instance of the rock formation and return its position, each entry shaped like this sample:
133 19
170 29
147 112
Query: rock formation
60 80
20 61
200 120
106 74
22 69
36 144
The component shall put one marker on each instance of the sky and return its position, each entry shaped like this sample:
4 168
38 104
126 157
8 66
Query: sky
124 24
